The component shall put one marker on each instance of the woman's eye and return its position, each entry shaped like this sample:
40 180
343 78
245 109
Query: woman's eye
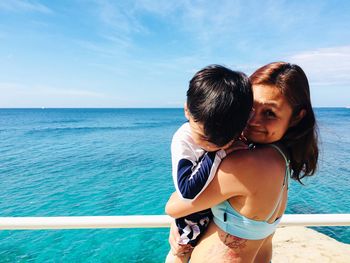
270 114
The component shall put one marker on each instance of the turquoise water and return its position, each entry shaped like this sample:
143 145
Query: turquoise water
74 162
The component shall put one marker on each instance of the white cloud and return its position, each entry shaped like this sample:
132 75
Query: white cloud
121 20
325 66
100 48
210 28
203 19
24 6
159 7
119 16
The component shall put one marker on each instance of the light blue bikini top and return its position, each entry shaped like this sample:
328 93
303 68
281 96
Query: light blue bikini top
232 222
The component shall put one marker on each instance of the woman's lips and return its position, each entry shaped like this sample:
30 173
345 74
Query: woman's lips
250 130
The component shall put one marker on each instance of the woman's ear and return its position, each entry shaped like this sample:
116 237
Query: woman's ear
295 120
187 113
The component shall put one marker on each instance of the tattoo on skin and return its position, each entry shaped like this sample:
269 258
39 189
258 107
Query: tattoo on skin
231 257
184 250
228 250
234 242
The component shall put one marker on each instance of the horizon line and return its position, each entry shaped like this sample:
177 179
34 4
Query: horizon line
46 108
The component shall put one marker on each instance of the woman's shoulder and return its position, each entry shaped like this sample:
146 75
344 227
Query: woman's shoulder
242 169
252 161
254 154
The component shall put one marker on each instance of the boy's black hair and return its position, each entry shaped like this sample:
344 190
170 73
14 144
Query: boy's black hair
221 100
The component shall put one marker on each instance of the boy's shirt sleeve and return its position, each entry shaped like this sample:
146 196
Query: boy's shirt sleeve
192 167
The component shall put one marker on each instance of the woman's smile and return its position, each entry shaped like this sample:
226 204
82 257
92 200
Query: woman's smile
254 130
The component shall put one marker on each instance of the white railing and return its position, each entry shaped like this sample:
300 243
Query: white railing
148 221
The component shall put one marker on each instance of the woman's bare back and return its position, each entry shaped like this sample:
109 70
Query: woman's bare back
219 246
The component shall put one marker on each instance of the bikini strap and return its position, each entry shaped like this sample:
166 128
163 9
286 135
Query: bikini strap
285 181
287 174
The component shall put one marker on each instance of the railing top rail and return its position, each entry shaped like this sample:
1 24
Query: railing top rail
148 221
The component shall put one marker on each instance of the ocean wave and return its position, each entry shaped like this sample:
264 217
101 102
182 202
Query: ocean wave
62 121
73 129
136 126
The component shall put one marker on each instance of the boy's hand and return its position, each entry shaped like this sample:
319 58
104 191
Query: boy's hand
237 145
176 248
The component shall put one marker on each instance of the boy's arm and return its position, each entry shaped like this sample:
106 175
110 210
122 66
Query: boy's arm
234 178
193 169
193 179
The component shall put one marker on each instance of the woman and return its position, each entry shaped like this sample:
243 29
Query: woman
248 195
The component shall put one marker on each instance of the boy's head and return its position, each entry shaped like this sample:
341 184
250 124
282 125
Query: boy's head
218 105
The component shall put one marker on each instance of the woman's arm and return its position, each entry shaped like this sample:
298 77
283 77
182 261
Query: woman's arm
226 183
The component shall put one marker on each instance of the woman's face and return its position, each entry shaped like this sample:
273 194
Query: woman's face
271 115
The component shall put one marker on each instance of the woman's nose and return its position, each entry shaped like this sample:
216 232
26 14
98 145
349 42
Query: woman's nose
253 119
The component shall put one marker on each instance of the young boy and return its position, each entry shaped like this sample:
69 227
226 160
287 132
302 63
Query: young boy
218 105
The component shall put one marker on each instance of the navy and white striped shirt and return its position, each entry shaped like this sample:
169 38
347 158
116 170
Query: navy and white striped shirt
192 167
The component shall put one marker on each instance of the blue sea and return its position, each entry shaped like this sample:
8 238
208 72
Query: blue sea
79 162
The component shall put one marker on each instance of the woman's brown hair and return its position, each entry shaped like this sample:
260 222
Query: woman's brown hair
301 138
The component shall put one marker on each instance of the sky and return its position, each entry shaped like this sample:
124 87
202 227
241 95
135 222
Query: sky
142 53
